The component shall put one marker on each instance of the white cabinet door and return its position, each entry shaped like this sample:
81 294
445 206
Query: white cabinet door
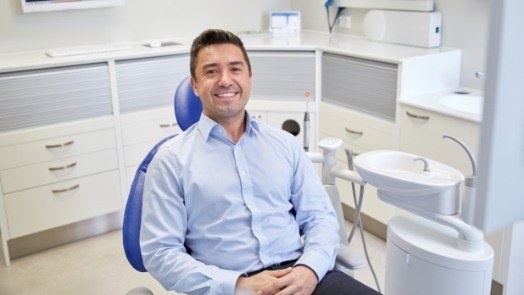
421 133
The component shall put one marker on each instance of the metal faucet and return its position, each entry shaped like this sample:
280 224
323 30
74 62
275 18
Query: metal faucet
480 75
426 163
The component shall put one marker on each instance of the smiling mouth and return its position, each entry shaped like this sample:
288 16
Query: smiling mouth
226 94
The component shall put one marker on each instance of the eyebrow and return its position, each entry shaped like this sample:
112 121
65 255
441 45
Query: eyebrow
212 65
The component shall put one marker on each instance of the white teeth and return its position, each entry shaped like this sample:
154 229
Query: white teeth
228 94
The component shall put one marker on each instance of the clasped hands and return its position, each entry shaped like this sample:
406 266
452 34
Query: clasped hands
299 280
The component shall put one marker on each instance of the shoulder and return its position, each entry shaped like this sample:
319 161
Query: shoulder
279 139
174 148
276 133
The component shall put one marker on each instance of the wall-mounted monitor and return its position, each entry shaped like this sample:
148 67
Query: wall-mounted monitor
52 5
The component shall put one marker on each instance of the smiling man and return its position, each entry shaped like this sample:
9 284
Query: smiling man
235 206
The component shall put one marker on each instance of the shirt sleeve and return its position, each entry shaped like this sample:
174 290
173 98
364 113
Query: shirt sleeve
162 235
316 217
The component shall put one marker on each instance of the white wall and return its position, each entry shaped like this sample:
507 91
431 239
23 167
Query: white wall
135 21
464 25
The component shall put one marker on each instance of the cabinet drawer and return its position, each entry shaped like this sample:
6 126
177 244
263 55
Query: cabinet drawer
134 154
153 130
56 148
51 172
356 129
40 208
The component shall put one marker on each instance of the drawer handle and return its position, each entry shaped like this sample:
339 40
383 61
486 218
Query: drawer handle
62 167
353 131
168 125
54 146
57 191
417 116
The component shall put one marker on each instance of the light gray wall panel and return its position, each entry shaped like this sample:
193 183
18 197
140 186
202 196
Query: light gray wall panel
149 82
284 75
39 97
364 85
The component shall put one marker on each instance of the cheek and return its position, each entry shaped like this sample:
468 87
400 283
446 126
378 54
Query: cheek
203 89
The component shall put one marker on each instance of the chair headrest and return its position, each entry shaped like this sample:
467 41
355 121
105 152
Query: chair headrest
187 105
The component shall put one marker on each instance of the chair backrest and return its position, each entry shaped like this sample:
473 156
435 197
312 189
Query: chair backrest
188 106
187 112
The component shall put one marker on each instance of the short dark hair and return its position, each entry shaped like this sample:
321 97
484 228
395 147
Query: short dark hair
210 37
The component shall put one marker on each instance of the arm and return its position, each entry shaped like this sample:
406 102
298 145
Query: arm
316 218
162 236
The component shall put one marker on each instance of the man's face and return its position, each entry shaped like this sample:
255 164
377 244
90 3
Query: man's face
223 81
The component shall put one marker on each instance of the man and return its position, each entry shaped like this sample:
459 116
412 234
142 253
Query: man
227 202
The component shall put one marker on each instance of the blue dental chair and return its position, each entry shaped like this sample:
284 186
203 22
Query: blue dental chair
187 111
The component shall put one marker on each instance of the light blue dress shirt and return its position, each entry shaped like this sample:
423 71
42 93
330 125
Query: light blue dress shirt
237 207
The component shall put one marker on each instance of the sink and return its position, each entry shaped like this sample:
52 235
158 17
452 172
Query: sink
402 181
467 103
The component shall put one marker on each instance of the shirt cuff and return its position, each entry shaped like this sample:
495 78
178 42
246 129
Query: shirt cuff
316 261
227 280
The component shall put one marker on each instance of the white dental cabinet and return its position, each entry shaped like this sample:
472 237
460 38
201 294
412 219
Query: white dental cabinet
74 129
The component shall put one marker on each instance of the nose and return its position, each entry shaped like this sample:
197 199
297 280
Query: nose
225 79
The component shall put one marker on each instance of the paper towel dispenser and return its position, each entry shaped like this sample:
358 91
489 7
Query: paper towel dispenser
421 29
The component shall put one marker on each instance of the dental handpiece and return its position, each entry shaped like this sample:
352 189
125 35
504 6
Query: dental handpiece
306 131
306 123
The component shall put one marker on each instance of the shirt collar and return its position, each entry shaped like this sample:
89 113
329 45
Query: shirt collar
207 126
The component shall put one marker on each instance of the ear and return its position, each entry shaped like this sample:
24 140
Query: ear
194 85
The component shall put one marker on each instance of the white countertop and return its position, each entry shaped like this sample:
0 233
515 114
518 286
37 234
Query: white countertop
348 45
306 41
431 102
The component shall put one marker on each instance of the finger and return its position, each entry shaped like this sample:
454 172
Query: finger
268 290
274 287
281 272
291 289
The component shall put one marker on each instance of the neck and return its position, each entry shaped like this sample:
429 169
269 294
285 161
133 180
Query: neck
235 128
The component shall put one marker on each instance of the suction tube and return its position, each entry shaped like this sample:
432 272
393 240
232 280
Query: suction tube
470 184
